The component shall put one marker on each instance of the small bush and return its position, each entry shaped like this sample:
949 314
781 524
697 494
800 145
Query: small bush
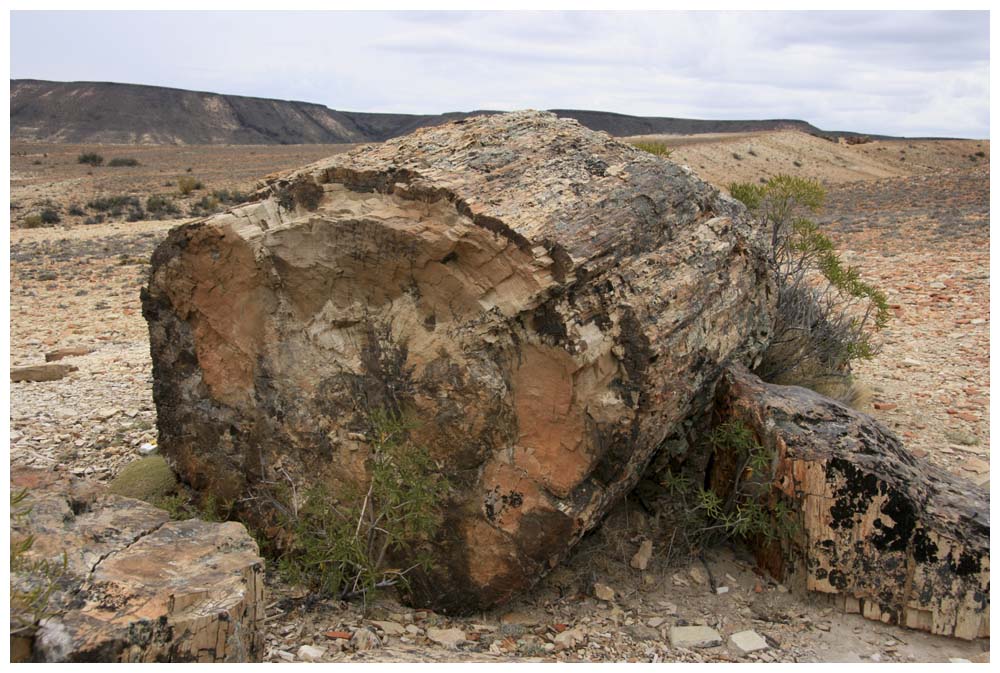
33 222
158 205
342 547
186 185
656 147
206 205
147 479
90 158
76 211
114 205
50 216
33 581
96 219
827 316
230 197
123 161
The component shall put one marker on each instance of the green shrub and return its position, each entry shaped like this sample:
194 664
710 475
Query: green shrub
76 211
123 161
115 205
90 158
827 316
206 205
186 185
343 547
656 147
741 508
230 197
33 581
33 222
50 216
158 205
147 479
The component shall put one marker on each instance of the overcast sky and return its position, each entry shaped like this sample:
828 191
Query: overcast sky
902 73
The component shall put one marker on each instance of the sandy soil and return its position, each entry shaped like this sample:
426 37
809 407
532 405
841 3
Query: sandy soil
922 233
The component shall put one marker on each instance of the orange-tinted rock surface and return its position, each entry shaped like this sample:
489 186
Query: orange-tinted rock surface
548 302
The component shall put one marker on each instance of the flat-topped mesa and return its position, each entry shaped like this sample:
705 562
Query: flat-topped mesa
547 301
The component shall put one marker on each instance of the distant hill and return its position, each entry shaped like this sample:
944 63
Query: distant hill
105 112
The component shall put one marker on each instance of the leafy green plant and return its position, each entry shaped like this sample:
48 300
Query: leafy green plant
90 158
741 509
343 546
656 147
827 315
33 581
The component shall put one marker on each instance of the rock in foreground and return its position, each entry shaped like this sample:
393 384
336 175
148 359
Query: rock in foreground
892 536
547 301
136 587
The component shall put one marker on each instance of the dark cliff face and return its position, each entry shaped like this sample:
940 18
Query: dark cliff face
106 112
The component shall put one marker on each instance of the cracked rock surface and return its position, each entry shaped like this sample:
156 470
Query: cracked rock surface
548 301
137 587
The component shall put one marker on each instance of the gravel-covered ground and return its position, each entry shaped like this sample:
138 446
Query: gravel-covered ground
923 239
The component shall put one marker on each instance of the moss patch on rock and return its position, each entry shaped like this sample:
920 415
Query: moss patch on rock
147 479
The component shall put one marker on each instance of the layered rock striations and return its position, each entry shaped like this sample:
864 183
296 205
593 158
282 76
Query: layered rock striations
549 303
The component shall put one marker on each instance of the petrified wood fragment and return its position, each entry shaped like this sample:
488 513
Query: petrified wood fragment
136 586
549 302
897 538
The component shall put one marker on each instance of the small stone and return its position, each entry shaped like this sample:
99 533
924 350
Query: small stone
569 639
517 617
958 660
976 465
59 354
722 590
343 635
391 628
146 449
604 592
641 559
884 406
310 653
365 639
698 574
450 638
746 642
287 656
909 362
690 637
39 373
655 622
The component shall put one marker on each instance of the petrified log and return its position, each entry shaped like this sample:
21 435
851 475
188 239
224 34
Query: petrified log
136 587
894 537
549 302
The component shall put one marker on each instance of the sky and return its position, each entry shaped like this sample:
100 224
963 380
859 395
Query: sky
899 73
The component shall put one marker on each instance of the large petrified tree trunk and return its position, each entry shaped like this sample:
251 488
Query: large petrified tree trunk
136 587
548 301
895 537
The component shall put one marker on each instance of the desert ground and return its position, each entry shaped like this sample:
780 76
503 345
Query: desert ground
913 215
